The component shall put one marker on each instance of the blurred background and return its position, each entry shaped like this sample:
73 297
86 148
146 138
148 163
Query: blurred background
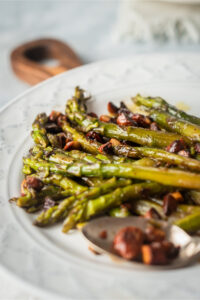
96 29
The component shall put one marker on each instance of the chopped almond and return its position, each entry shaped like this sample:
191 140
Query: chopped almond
106 148
154 254
105 119
54 115
176 146
92 114
115 142
154 126
124 120
112 109
73 145
154 234
103 234
169 204
152 214
92 135
23 187
128 241
177 196
34 183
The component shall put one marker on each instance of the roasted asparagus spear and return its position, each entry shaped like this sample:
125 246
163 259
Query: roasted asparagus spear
184 128
57 213
171 177
160 104
85 210
157 154
137 135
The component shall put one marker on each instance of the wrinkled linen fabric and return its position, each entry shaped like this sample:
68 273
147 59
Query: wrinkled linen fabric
145 21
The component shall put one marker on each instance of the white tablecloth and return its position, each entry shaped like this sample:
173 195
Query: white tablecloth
88 26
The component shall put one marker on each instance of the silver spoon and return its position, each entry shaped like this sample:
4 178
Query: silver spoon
189 246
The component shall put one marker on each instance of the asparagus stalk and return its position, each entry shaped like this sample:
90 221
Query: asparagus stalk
164 176
34 209
142 206
137 135
181 208
154 153
79 99
59 212
189 223
174 124
55 186
187 217
68 184
92 181
86 157
71 156
145 162
88 146
60 156
32 198
194 196
188 209
53 140
161 104
119 212
158 154
39 134
84 211
65 183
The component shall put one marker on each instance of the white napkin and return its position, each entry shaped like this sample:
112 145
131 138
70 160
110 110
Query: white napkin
141 20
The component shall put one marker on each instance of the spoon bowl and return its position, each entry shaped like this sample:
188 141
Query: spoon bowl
189 246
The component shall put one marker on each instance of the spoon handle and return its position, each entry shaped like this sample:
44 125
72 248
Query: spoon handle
28 60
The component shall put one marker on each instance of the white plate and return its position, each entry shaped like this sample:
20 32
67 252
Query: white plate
47 261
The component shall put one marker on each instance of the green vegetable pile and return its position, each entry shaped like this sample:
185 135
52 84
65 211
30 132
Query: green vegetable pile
119 164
